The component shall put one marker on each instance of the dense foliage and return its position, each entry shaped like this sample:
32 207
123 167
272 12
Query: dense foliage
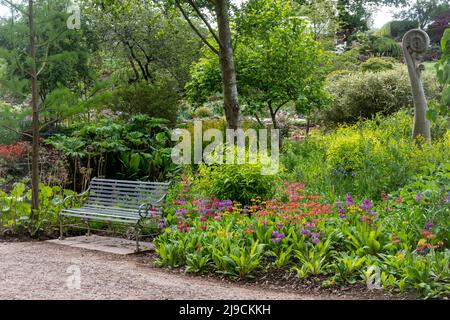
361 95
135 149
367 158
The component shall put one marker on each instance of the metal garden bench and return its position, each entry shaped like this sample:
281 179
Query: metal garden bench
119 201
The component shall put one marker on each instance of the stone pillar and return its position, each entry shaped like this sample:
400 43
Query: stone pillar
415 44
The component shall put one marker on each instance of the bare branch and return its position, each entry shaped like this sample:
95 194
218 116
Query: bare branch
48 123
205 41
44 63
197 10
280 106
17 131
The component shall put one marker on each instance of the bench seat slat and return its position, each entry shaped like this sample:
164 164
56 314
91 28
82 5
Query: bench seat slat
122 205
100 207
114 210
104 218
85 210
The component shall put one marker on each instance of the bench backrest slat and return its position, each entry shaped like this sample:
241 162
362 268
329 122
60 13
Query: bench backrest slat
126 194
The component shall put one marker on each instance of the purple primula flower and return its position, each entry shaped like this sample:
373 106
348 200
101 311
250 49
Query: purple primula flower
162 223
429 225
341 211
349 200
315 240
418 196
306 233
275 234
315 235
366 205
276 240
310 225
281 236
342 216
339 203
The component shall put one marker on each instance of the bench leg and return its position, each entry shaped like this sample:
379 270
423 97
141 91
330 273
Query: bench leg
138 234
88 227
61 232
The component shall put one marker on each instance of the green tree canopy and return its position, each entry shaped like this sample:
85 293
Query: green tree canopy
277 60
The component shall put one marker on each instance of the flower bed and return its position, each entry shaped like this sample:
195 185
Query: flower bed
346 242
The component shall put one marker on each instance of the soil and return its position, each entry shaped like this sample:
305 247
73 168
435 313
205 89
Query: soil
42 270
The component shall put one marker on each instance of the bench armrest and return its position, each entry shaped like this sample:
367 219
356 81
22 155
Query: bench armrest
145 207
75 196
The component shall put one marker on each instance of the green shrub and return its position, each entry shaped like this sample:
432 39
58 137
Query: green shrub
202 112
363 94
377 64
385 46
158 99
235 182
348 60
396 29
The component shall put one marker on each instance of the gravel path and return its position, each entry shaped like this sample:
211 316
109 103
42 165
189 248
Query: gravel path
40 270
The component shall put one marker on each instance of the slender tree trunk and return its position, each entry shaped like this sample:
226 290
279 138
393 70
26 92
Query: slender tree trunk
273 116
231 101
308 124
35 108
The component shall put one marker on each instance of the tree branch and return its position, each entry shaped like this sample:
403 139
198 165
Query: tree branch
44 63
211 30
17 131
205 41
280 106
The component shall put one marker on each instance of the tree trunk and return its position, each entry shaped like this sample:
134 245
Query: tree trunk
34 105
231 101
273 116
308 124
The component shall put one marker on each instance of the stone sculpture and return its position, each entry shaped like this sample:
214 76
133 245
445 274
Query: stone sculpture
415 44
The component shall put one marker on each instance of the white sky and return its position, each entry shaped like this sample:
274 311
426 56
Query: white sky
383 15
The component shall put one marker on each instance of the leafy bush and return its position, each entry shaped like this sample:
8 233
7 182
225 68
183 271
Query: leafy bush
202 112
15 209
373 45
240 183
377 64
348 60
158 99
137 149
363 94
396 29
385 46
